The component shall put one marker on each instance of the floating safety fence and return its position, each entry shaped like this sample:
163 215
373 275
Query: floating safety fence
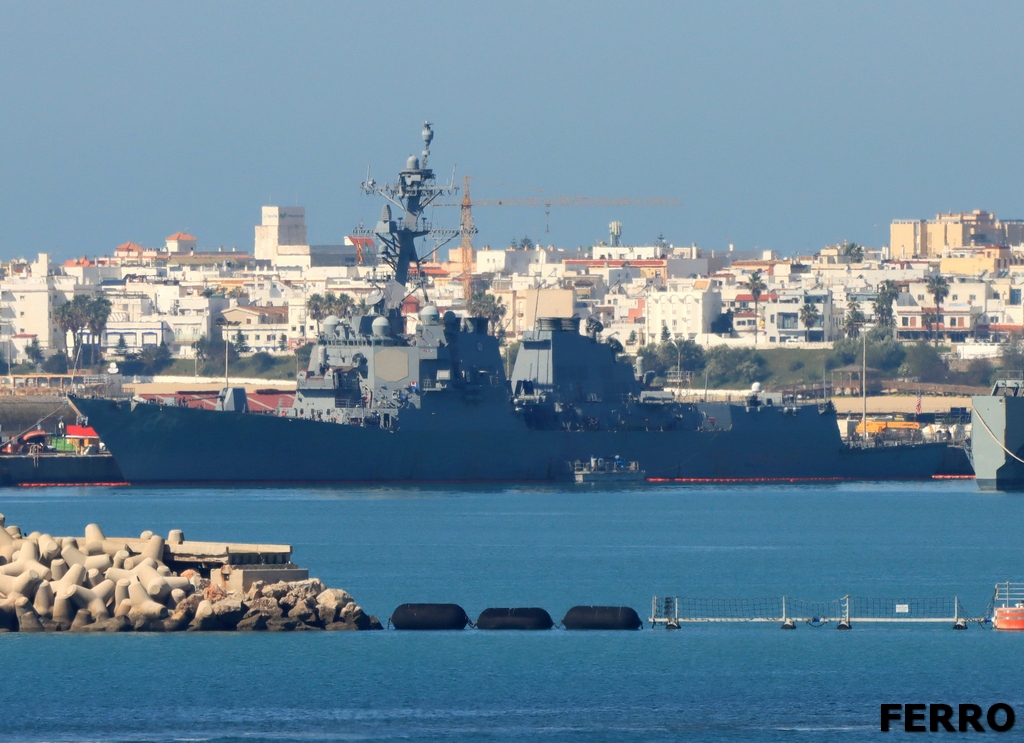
674 611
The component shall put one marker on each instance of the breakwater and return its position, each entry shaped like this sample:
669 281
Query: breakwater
95 583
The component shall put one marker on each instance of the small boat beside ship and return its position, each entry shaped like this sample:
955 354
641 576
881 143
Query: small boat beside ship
73 456
600 470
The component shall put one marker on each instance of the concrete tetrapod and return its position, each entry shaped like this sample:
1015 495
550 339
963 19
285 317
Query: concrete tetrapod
28 620
95 583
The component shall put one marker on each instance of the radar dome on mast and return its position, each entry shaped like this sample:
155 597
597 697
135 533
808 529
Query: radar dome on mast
428 137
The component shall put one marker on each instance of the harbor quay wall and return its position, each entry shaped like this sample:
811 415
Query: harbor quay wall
149 583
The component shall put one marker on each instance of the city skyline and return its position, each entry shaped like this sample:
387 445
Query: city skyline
783 128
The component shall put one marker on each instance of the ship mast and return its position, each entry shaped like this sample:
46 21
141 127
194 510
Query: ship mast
412 193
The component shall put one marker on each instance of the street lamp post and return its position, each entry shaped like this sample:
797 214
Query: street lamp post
224 324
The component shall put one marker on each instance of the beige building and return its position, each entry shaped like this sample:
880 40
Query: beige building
934 238
975 262
281 241
281 226
526 305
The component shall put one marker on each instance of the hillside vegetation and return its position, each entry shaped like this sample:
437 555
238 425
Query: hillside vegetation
779 367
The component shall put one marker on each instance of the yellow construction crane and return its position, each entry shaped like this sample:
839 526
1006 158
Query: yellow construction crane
467 229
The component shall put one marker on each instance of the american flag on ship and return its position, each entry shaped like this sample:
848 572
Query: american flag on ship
919 402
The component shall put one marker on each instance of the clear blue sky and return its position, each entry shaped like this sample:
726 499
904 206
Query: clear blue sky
778 125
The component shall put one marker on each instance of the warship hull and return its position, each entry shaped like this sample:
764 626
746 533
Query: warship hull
166 444
59 469
997 441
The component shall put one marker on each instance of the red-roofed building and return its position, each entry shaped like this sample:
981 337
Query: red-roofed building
181 242
133 254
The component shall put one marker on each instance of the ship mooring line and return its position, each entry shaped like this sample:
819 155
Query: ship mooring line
996 438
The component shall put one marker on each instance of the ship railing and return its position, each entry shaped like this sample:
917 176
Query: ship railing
674 611
1008 594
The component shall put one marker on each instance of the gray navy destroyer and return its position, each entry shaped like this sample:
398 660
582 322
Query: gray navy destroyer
379 405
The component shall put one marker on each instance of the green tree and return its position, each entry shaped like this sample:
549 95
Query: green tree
488 306
923 362
1013 352
34 352
756 286
938 287
722 325
526 243
261 361
809 317
201 347
122 346
56 364
665 335
240 344
156 358
669 355
632 338
884 352
302 354
282 343
731 366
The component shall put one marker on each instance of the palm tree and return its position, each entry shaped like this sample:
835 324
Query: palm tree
756 287
341 305
72 317
854 251
317 308
487 305
938 287
97 314
808 316
887 293
854 319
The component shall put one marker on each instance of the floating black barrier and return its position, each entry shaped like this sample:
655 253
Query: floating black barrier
601 617
529 617
429 616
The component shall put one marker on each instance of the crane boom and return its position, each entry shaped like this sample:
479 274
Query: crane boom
569 201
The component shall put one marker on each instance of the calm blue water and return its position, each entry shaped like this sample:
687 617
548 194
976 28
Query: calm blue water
551 548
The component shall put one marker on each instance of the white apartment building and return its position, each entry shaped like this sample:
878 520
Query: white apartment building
686 307
27 299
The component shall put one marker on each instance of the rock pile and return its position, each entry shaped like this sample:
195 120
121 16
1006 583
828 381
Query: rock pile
96 584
